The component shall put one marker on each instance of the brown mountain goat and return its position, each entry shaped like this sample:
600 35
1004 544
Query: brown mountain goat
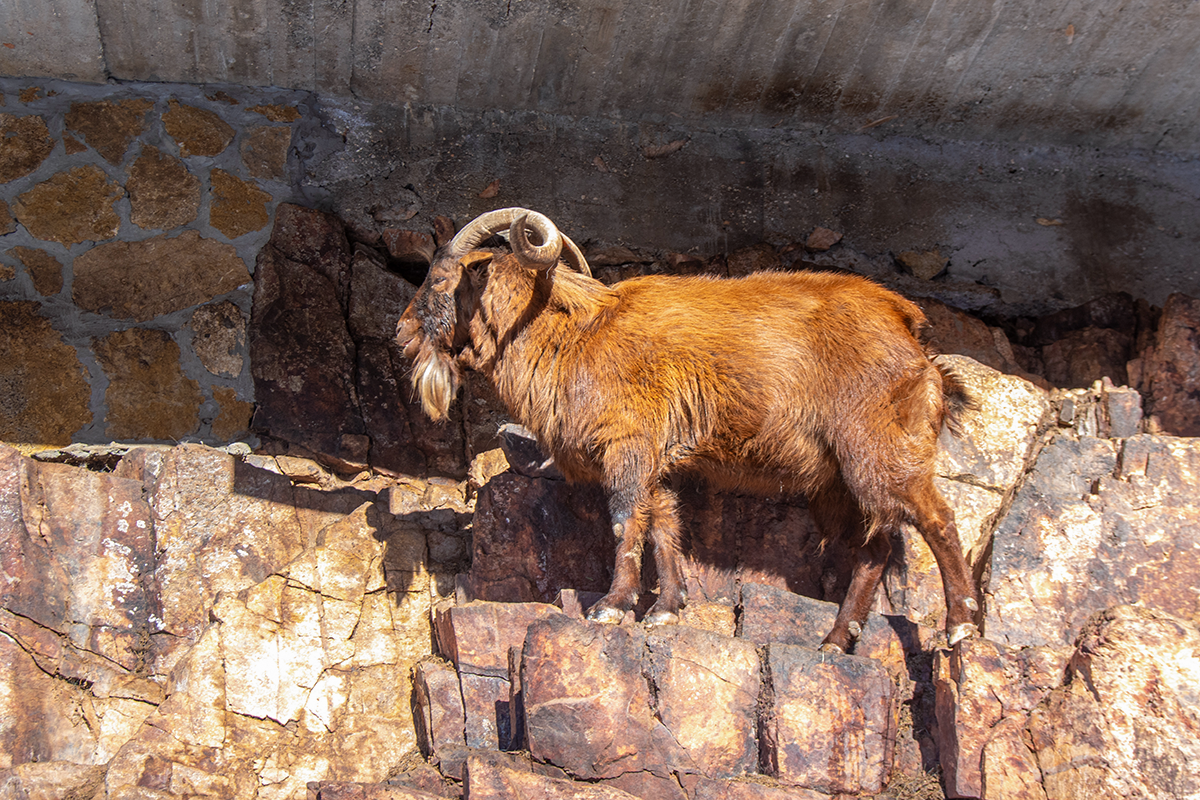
777 382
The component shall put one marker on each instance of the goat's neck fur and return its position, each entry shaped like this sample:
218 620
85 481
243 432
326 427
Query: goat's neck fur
527 333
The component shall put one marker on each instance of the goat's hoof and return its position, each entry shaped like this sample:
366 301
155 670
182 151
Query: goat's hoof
830 647
965 630
606 614
661 618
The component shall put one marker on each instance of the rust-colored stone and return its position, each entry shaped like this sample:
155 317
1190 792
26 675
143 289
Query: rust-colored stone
233 421
24 144
821 239
588 706
954 331
487 780
44 392
77 618
924 264
1097 522
148 395
758 788
440 717
265 150
108 126
982 690
1171 382
277 113
219 338
1082 357
142 280
53 778
409 246
476 637
770 614
198 132
44 269
7 223
71 207
302 359
755 258
487 705
72 146
1123 724
706 694
850 749
162 193
238 207
535 536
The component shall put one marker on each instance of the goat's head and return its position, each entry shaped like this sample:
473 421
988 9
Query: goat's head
434 329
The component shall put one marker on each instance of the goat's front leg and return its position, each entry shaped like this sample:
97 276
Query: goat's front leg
664 535
630 480
629 516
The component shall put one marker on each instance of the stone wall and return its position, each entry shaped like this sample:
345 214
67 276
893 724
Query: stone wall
130 218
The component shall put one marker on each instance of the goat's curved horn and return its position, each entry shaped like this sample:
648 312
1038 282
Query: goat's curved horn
481 228
541 256
574 256
492 222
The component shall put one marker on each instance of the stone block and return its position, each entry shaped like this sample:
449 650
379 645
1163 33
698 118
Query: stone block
197 131
44 269
71 207
109 127
487 703
706 693
44 392
850 750
1123 724
1082 357
148 395
535 536
264 151
163 194
438 701
758 789
146 279
343 790
984 694
588 706
1171 370
771 615
1098 522
238 207
487 780
477 637
24 144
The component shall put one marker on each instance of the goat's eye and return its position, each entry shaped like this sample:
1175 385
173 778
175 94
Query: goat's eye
439 284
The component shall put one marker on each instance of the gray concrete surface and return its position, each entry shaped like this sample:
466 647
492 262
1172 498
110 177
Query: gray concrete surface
1102 73
1109 221
905 124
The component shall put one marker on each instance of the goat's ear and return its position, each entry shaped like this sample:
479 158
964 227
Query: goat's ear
476 260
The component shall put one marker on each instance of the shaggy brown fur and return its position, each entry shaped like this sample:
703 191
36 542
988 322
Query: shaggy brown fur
772 383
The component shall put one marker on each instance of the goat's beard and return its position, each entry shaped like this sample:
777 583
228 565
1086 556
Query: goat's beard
435 378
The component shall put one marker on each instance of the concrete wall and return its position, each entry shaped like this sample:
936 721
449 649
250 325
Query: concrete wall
703 126
1102 73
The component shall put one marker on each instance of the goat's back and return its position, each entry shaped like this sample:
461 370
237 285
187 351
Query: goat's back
783 377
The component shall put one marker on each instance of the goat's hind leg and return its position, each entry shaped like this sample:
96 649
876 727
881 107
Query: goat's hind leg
934 520
872 557
840 520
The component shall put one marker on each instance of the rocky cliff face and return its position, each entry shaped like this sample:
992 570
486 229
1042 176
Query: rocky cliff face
370 605
190 621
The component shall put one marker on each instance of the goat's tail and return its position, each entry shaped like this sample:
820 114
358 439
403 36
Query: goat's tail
957 399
